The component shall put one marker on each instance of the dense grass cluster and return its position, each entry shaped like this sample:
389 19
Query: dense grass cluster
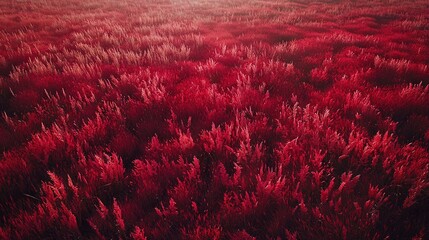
214 119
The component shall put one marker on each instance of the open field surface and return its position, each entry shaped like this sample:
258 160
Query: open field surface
214 119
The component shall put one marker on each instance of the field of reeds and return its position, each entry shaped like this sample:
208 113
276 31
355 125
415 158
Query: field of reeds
240 119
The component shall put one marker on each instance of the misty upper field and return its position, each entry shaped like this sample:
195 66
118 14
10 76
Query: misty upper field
137 119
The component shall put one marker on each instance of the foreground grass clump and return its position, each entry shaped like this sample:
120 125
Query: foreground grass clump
214 120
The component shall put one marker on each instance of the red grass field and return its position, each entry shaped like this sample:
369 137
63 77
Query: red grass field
237 119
